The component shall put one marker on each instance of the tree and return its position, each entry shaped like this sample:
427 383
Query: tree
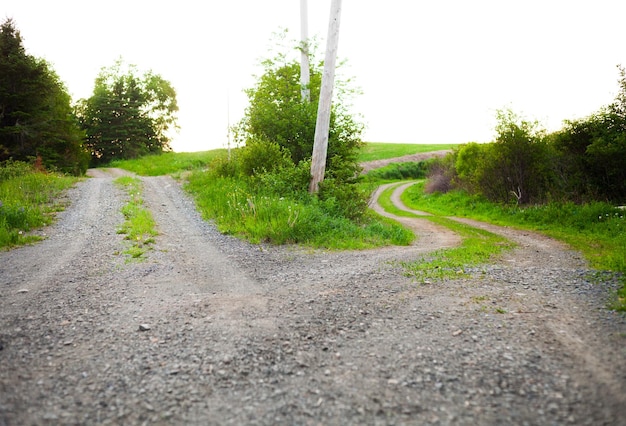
514 167
278 114
36 118
128 115
592 152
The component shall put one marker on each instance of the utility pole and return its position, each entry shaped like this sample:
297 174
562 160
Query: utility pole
305 76
320 144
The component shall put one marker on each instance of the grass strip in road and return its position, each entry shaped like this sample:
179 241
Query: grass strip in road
139 225
478 247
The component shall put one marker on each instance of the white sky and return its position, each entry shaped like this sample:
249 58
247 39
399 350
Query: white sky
430 71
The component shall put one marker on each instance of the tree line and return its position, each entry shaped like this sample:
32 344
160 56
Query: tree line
584 161
128 114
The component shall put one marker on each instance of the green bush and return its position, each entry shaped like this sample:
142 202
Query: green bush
260 156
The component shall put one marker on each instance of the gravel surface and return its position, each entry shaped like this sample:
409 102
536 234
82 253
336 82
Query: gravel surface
212 330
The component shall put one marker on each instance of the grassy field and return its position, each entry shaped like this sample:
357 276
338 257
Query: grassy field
170 163
381 151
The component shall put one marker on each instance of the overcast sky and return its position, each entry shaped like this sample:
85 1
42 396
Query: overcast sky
430 71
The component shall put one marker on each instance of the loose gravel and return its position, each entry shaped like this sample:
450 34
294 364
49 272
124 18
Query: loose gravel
210 330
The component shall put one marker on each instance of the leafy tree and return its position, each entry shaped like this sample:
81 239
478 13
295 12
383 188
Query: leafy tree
520 163
514 167
592 152
278 114
128 115
36 118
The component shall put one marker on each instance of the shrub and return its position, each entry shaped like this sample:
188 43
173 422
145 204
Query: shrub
260 156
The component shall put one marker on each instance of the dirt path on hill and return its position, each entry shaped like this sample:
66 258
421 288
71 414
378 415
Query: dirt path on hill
212 330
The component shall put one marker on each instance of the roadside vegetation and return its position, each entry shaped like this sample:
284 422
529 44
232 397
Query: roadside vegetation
139 225
28 199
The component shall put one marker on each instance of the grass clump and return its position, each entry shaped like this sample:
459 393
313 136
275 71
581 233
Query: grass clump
27 200
139 225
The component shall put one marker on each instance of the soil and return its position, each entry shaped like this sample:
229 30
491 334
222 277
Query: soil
212 330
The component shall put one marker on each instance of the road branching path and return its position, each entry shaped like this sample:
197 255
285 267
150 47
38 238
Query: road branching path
211 330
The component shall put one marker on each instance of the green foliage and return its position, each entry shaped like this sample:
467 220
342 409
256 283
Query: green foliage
27 198
277 114
515 167
128 115
262 157
36 118
139 225
381 150
169 163
250 208
591 157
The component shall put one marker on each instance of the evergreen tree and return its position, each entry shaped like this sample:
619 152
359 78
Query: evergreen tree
36 118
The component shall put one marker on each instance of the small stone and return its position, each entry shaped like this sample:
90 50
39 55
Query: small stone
22 290
144 327
457 332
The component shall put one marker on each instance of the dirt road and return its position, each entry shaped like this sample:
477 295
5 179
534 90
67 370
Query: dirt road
212 330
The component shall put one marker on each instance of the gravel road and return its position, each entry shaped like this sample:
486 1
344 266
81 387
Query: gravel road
210 330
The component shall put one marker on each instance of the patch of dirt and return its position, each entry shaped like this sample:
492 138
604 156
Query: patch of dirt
212 330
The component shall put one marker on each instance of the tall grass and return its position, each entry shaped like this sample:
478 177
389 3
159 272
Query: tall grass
27 200
239 209
381 151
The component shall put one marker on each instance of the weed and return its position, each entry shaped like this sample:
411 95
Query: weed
139 225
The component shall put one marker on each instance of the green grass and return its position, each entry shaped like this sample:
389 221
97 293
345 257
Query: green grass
597 230
169 163
238 209
381 151
478 247
28 200
139 225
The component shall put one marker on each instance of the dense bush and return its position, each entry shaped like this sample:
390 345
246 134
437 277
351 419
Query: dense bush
585 161
278 131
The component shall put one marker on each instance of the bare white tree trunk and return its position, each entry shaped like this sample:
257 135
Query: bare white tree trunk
305 76
320 144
